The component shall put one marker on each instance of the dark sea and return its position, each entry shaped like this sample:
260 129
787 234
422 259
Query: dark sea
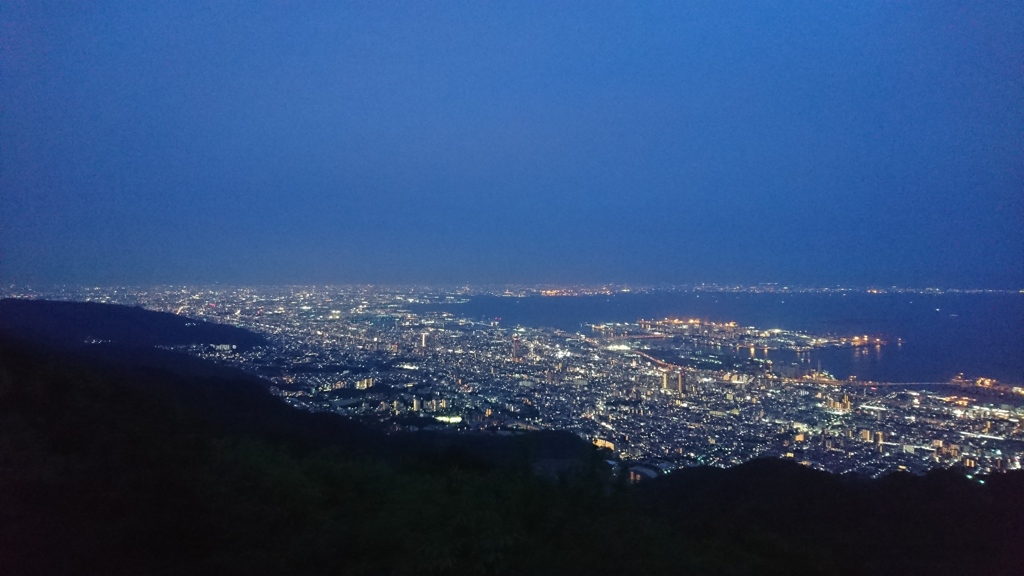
979 335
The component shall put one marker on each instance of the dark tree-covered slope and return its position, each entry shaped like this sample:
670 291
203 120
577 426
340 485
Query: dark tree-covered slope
120 469
148 466
73 323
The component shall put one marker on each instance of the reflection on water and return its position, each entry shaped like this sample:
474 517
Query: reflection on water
977 334
864 362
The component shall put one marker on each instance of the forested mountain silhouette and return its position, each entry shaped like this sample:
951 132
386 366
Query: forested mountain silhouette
166 464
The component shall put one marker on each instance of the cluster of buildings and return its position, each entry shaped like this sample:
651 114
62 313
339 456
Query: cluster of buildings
366 352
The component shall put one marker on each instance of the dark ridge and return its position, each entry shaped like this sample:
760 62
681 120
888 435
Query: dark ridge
119 462
546 452
939 523
77 323
126 468
216 399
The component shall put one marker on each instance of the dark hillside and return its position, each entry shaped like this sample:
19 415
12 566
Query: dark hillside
940 523
164 464
132 470
74 323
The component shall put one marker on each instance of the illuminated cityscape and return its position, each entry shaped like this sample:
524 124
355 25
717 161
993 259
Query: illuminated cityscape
660 394
511 288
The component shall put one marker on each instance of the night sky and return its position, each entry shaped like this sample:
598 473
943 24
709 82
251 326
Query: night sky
808 143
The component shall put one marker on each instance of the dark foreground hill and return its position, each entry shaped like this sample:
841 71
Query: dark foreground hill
74 323
114 467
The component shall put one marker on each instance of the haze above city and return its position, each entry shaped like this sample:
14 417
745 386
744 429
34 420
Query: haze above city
860 143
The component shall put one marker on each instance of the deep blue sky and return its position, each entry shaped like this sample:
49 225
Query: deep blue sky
811 143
